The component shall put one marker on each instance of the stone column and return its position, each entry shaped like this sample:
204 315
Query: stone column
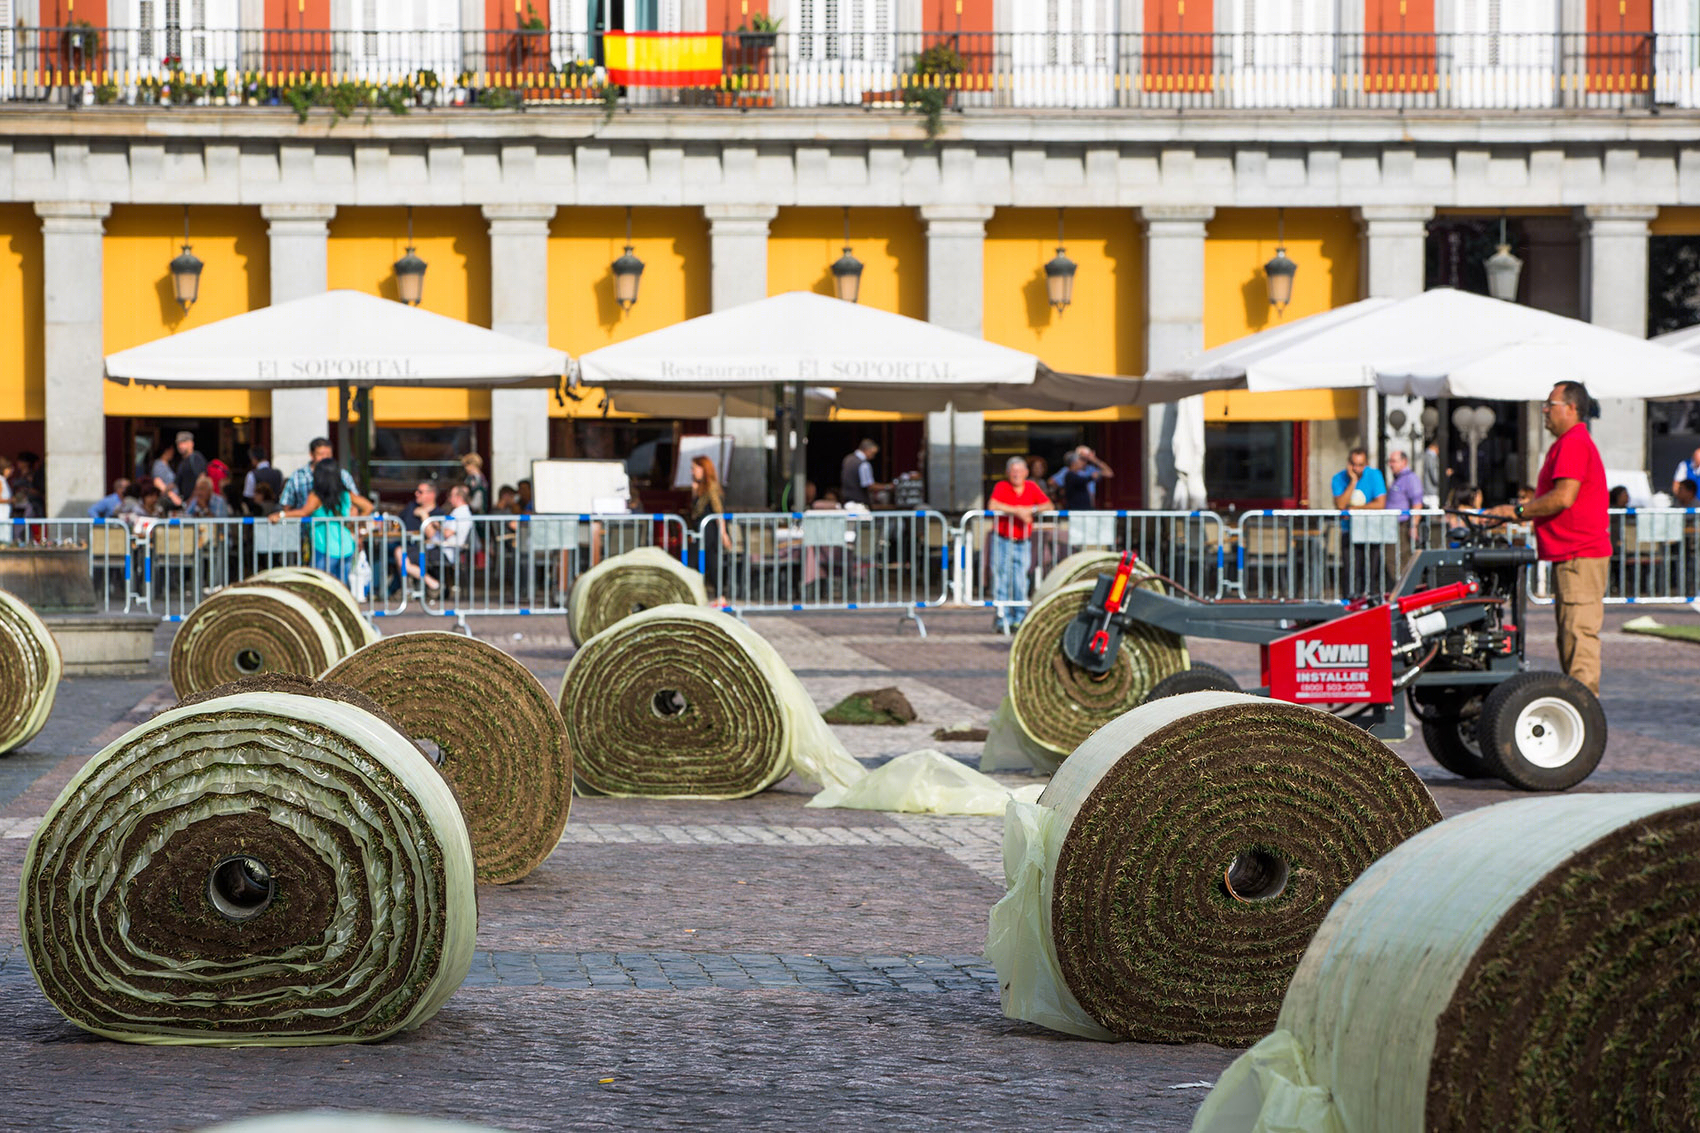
75 409
1174 330
1615 291
519 306
737 250
956 257
298 237
1393 241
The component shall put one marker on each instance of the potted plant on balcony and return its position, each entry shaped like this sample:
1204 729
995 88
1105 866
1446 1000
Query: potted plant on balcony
761 33
931 85
529 36
80 46
462 92
580 78
426 87
220 88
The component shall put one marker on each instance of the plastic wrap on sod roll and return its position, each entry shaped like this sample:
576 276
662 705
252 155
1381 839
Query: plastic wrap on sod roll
685 702
628 584
1172 873
499 736
257 869
1524 966
1058 704
243 631
30 668
1086 566
330 597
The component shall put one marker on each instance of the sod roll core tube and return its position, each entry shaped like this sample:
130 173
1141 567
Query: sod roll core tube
686 702
30 668
500 738
1529 965
1058 704
1167 882
262 869
628 584
243 631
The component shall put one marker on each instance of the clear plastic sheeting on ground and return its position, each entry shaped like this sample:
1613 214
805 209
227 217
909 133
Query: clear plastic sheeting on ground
30 668
336 1121
244 631
1195 827
623 585
259 869
500 739
925 782
330 597
1528 965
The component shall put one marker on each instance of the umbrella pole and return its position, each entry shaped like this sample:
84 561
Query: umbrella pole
799 465
343 451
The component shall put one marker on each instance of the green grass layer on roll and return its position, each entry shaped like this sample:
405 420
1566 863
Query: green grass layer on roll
30 668
244 631
886 707
628 584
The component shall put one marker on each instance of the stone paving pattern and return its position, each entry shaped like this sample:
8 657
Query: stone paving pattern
750 964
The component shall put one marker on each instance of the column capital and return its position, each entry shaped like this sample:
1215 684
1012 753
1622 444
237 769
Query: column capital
739 216
304 218
1394 216
981 213
72 217
1177 216
1628 219
518 219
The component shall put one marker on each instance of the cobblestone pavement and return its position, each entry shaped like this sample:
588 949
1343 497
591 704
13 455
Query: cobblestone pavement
750 964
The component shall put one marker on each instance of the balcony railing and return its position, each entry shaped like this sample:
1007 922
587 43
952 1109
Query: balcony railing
940 71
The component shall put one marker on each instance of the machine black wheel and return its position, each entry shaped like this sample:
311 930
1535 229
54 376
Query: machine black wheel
1451 734
1542 731
1200 678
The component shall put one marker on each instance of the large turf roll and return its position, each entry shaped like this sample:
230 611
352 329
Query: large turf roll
258 869
1086 566
1058 704
1175 868
623 585
498 733
242 631
30 668
1530 965
330 597
681 701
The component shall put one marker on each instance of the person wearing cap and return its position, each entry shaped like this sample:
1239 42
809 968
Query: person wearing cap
191 466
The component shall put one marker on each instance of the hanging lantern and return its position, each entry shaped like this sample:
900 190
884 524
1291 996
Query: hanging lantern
1059 274
1504 269
410 271
628 271
186 271
847 269
1279 271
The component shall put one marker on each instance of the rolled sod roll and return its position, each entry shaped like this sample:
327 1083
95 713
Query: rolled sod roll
30 668
330 597
1058 704
1529 965
242 631
1086 566
499 736
263 869
1168 880
627 584
686 702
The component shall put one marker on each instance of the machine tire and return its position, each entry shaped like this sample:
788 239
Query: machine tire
1542 731
1453 738
1200 678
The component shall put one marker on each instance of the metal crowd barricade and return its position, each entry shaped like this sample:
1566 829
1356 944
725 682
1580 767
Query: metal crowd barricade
185 560
1328 556
358 550
826 560
1189 547
112 563
523 564
1655 558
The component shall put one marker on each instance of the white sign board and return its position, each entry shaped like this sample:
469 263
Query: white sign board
717 449
582 486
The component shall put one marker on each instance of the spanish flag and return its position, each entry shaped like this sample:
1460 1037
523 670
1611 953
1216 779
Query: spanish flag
663 58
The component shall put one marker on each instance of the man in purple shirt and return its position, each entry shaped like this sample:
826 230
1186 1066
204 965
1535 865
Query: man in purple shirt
1404 489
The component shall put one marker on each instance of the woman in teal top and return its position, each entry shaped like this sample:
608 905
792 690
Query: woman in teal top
334 544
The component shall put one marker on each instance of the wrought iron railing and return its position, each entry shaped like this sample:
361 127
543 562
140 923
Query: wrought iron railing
936 71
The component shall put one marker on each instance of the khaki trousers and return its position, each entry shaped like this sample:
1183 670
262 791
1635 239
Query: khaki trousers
1579 598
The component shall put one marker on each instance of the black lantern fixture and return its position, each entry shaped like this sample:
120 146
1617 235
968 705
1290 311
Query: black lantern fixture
1503 268
847 269
1059 274
628 271
1279 271
186 271
410 270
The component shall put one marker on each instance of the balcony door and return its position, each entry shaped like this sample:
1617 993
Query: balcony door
1282 53
391 38
199 36
1064 52
1677 60
1504 53
844 50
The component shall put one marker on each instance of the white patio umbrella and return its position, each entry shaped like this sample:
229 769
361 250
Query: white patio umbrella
1446 343
1687 340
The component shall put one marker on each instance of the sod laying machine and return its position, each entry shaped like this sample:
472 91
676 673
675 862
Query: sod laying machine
1447 643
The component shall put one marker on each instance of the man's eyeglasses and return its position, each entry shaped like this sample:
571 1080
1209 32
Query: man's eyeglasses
1546 405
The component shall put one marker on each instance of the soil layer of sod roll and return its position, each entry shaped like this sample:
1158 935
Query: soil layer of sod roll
243 631
263 868
1207 836
330 597
499 737
1059 704
30 668
628 584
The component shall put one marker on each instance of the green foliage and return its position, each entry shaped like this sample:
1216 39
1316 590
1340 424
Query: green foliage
220 84
581 69
81 37
344 99
427 80
497 98
929 103
532 22
762 23
610 102
940 59
105 94
930 91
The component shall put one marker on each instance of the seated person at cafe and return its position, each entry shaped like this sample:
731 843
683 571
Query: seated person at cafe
413 518
446 537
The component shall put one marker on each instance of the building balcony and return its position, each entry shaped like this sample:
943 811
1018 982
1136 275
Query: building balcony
920 71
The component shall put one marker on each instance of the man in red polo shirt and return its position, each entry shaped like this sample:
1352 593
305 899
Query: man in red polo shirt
1572 530
1016 500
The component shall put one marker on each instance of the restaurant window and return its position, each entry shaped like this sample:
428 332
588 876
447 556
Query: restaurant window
1250 463
404 455
646 447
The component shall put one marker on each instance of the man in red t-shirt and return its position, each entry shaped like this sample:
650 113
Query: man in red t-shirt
1016 500
1572 530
